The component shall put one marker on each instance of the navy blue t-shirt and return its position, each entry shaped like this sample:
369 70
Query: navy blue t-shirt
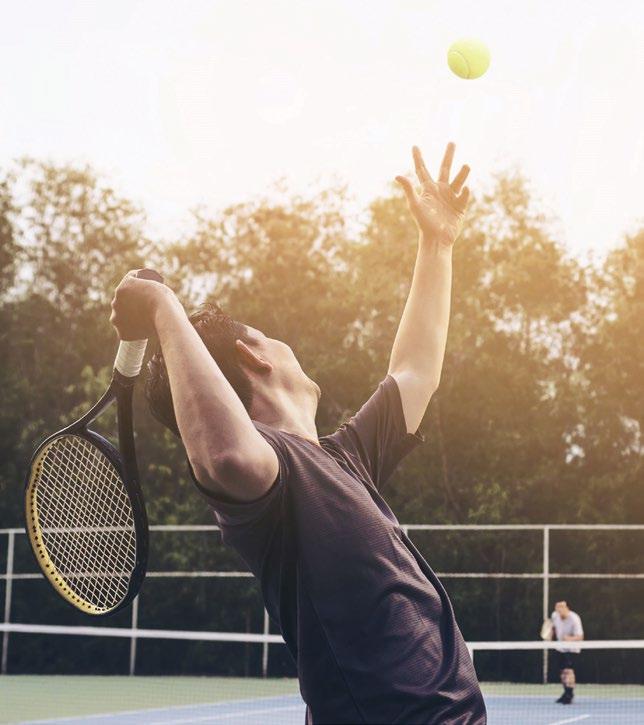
368 623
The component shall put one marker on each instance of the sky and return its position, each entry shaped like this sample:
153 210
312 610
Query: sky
208 102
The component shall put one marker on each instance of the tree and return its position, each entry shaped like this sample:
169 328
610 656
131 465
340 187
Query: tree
611 386
538 416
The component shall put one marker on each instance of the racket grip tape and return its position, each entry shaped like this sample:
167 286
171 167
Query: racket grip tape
129 357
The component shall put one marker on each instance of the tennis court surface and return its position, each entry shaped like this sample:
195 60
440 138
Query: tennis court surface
164 700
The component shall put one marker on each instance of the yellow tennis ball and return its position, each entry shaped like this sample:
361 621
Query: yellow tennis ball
468 58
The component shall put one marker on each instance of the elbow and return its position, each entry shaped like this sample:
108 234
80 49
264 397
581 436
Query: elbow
235 475
433 381
422 382
213 470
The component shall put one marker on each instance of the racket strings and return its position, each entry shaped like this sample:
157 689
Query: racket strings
88 575
86 521
91 534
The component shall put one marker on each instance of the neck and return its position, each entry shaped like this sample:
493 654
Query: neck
288 411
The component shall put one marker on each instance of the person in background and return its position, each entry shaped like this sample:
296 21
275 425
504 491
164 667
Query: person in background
566 627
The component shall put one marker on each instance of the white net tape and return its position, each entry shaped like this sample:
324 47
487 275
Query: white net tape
86 521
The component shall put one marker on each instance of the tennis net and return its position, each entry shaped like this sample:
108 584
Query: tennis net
610 678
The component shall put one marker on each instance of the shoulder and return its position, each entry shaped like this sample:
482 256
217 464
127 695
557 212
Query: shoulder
277 439
268 432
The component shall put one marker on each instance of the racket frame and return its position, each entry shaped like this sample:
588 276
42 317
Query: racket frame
119 390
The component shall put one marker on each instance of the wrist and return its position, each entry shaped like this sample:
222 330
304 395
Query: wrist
164 303
435 247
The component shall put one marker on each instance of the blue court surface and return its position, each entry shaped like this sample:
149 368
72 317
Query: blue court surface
283 710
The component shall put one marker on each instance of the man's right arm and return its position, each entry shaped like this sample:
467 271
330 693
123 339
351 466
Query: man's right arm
226 452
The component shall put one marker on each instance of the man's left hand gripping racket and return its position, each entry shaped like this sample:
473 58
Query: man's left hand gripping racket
84 509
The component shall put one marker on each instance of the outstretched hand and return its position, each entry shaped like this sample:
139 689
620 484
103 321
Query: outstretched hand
439 206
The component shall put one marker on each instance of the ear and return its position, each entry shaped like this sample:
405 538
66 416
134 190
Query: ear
251 358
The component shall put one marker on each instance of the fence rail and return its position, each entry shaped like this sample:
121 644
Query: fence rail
265 638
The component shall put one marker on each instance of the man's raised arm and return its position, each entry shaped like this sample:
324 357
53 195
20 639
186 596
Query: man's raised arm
225 450
419 348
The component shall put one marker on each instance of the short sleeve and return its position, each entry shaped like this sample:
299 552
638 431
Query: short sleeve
377 434
250 526
237 513
578 630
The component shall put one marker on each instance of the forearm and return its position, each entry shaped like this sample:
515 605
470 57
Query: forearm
213 423
419 346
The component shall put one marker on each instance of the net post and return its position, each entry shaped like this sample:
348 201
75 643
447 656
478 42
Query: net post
546 594
135 621
7 600
265 645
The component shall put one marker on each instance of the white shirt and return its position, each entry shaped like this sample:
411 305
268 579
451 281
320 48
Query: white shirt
568 627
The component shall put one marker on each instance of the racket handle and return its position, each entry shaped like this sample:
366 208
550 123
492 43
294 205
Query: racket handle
129 357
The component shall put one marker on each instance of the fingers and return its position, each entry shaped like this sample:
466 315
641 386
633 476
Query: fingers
460 179
114 318
446 164
445 169
463 197
421 169
126 280
409 190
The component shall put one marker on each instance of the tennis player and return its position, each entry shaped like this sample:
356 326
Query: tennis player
368 623
567 627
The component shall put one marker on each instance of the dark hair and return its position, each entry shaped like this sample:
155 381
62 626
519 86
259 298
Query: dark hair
219 333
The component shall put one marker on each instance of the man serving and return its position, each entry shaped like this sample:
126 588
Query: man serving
368 623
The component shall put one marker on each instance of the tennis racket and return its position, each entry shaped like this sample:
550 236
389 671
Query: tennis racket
84 509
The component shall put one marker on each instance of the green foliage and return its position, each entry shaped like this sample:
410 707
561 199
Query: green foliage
538 417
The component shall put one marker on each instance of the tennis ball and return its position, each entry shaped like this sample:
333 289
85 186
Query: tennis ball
468 58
